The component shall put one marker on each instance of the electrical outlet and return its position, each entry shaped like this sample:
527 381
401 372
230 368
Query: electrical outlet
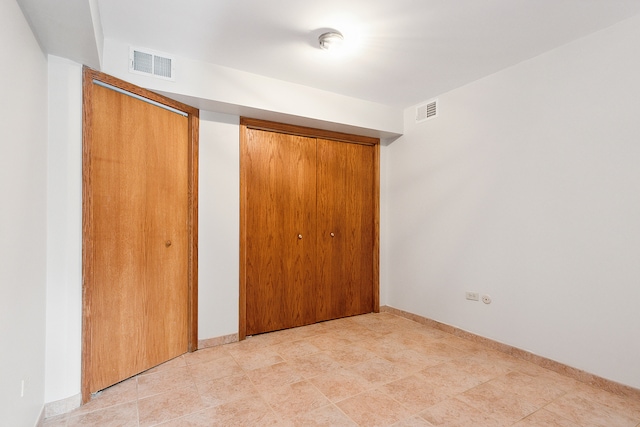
473 296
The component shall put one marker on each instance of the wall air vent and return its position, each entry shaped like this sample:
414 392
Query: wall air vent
427 111
150 63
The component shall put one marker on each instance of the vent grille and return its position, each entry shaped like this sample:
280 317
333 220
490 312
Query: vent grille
142 61
427 111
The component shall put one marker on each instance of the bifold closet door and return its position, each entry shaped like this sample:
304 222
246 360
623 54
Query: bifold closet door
279 181
345 201
136 236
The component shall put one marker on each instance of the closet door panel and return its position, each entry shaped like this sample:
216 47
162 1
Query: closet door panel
345 201
280 199
136 237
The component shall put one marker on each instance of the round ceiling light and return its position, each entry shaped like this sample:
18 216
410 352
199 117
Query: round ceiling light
331 40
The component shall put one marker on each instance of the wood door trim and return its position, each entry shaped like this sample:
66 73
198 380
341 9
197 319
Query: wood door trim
376 229
242 297
306 131
89 75
248 123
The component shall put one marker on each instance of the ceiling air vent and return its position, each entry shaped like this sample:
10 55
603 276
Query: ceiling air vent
427 111
144 61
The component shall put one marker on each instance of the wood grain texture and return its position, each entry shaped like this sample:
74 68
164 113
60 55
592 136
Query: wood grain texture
139 192
280 199
244 213
344 270
345 204
376 229
306 131
192 229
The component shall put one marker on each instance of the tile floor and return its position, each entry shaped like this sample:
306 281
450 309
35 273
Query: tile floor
370 370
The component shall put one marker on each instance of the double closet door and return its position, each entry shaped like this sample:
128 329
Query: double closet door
309 243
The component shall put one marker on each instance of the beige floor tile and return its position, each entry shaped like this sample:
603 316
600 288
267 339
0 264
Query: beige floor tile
274 376
339 324
328 341
448 379
277 337
163 380
414 421
214 369
56 421
381 322
479 368
123 392
362 333
373 408
257 342
454 413
387 345
431 333
227 389
340 384
539 391
414 360
168 406
585 412
206 355
314 364
414 393
416 338
326 416
498 359
248 412
124 415
350 330
295 399
289 350
176 362
560 381
620 404
314 329
498 403
544 418
258 358
350 355
440 349
378 371
460 343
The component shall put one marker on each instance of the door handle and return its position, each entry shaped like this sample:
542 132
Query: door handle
299 236
332 234
167 243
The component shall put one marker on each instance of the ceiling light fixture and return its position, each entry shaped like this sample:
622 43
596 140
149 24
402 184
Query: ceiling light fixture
331 40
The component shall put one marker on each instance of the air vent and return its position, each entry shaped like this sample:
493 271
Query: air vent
148 62
427 111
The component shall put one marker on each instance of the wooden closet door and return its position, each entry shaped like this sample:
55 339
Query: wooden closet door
279 185
136 248
346 220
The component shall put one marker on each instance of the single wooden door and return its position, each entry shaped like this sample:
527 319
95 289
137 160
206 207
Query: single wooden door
279 198
136 256
346 218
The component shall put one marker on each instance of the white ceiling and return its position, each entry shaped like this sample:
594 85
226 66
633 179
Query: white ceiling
405 52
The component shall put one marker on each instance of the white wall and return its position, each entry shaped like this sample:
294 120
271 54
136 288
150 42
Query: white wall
219 225
64 234
526 188
215 88
23 154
